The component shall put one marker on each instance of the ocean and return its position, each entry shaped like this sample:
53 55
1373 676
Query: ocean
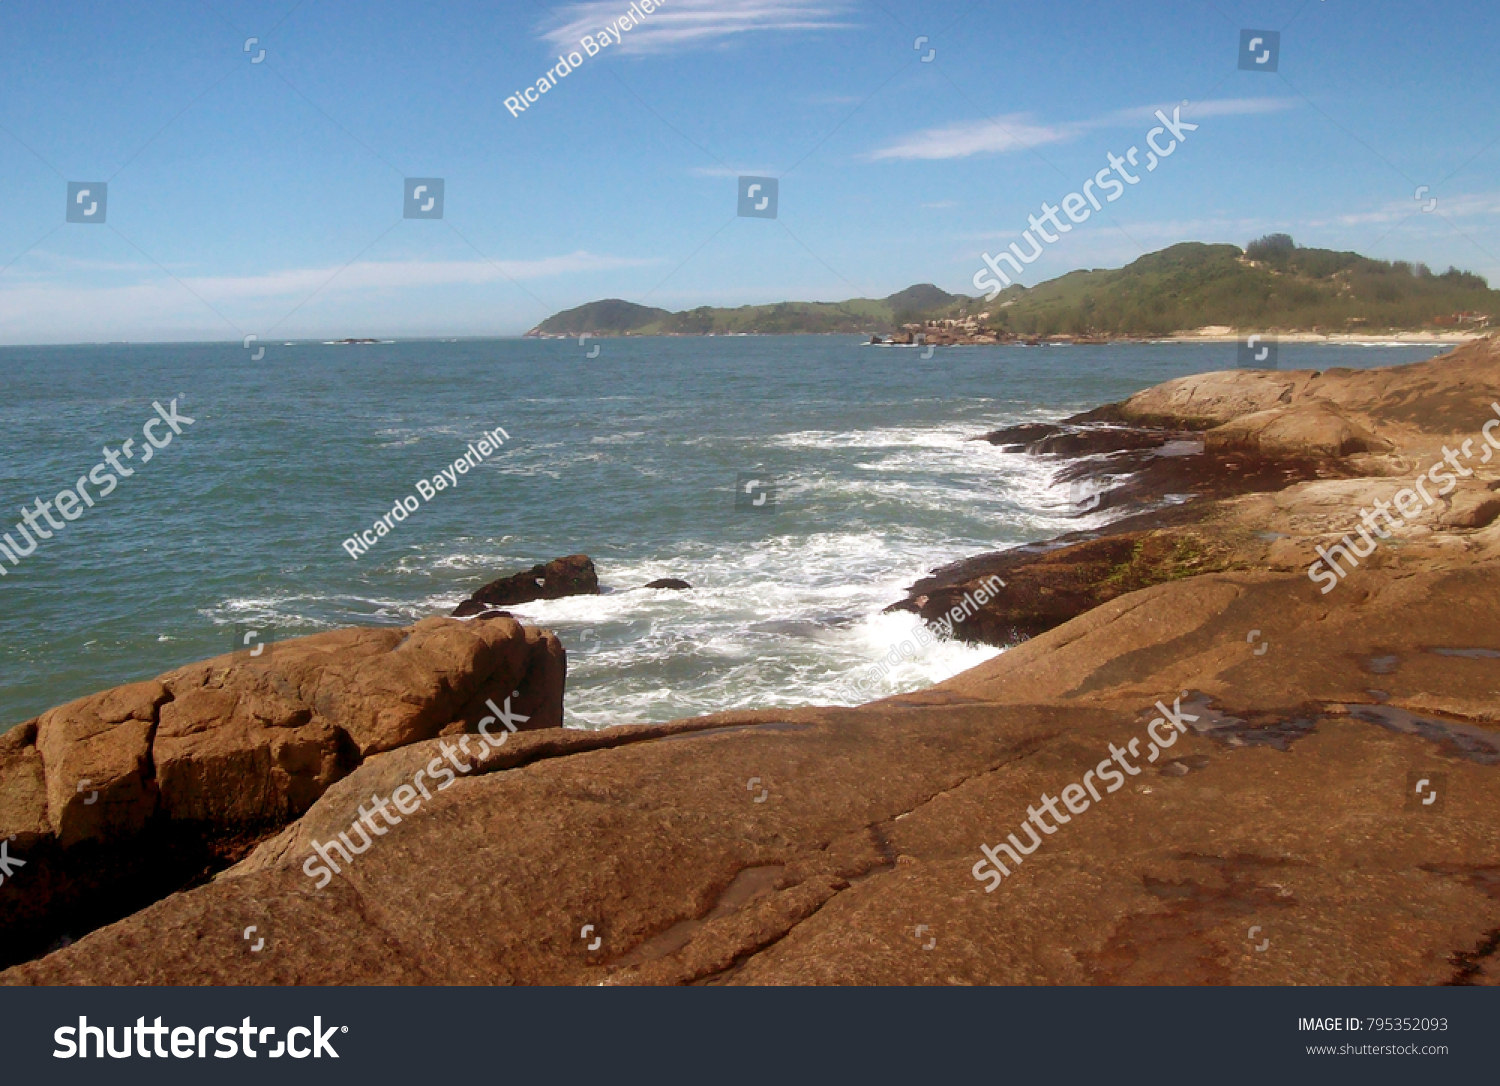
861 455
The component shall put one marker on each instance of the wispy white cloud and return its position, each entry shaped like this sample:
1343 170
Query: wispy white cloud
1164 232
1463 206
1171 231
1021 131
1233 107
55 262
724 171
1193 111
689 24
32 308
362 275
403 274
1012 132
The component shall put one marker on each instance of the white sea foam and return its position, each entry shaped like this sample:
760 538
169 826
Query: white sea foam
779 619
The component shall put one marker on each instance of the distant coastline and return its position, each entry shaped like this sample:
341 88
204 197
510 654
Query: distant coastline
1189 292
1211 334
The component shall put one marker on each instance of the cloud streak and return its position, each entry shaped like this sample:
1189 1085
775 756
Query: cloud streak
365 291
690 24
1021 131
401 275
362 275
1464 206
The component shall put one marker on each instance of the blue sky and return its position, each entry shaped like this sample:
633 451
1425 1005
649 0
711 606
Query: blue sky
266 197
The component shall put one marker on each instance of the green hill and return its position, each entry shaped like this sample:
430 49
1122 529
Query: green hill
1271 285
859 315
612 315
922 298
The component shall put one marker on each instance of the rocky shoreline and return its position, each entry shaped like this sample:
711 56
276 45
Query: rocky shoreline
831 845
950 338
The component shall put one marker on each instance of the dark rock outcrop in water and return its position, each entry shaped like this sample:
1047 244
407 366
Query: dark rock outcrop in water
670 582
570 576
1046 586
1071 439
121 797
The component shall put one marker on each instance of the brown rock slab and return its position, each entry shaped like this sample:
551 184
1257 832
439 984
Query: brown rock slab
1287 463
124 796
1045 587
1311 429
23 785
97 752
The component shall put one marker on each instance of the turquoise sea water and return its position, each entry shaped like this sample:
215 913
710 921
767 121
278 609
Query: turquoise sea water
632 457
